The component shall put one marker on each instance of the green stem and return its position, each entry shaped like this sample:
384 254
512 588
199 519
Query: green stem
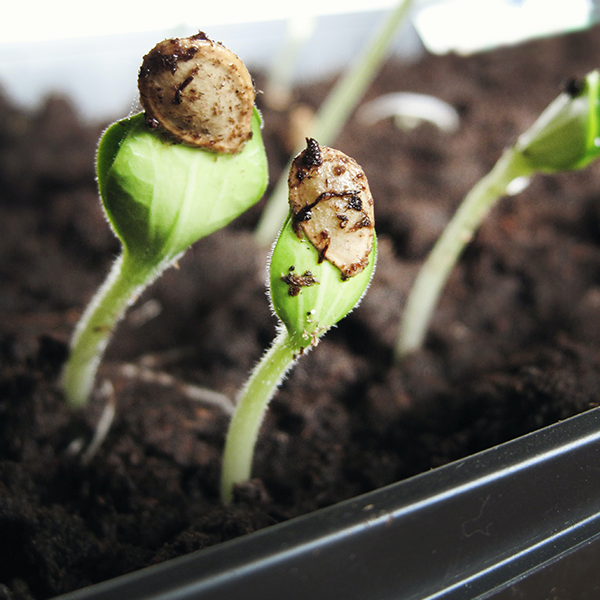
124 283
334 112
252 405
430 281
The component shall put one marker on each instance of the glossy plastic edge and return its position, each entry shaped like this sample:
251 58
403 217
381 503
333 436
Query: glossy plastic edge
461 531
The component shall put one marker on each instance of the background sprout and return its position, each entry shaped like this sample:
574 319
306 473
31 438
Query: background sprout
335 111
169 178
566 136
320 268
409 109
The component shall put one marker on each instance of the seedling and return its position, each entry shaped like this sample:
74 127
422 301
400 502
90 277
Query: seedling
565 137
186 167
320 268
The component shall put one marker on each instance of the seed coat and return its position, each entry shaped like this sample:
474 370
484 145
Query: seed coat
199 91
332 205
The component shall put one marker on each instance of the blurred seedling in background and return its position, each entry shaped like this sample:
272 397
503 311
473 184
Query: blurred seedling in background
409 110
335 111
566 136
187 166
320 268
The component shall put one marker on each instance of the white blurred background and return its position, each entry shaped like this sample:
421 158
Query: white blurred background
91 51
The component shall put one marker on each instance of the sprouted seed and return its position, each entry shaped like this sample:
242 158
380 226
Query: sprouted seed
161 195
311 287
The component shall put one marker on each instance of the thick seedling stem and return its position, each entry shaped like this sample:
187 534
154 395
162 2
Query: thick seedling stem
123 285
251 407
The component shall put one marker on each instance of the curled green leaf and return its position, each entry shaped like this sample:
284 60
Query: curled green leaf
566 135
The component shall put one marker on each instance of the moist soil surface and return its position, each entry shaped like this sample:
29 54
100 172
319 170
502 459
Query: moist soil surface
514 345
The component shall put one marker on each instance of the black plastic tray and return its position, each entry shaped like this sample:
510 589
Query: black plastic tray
521 520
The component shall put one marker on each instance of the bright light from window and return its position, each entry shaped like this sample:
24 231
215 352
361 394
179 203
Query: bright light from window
38 20
473 25
91 51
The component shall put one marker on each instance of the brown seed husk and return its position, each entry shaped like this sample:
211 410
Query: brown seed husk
332 205
198 91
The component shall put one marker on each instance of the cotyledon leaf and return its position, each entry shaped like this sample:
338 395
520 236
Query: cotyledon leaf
162 196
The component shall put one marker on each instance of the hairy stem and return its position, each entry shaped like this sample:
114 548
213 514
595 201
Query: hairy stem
124 283
334 112
431 279
251 407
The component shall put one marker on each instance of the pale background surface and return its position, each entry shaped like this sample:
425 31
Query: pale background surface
92 51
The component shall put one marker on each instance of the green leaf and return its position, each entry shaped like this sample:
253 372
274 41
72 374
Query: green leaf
566 135
161 196
317 306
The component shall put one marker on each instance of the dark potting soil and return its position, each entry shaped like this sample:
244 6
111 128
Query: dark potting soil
514 345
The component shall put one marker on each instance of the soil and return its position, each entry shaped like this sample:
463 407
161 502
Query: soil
514 345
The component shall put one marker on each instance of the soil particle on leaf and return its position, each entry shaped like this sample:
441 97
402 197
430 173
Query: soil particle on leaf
514 344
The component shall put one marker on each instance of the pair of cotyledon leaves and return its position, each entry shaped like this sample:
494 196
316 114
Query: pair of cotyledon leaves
161 197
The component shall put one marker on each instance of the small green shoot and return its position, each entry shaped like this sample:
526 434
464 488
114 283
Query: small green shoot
335 111
163 187
320 268
566 136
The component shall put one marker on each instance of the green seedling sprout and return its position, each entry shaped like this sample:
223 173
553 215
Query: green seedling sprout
335 111
320 267
566 136
187 166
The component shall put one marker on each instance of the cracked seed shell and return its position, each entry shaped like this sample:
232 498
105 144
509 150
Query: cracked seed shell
199 92
332 205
